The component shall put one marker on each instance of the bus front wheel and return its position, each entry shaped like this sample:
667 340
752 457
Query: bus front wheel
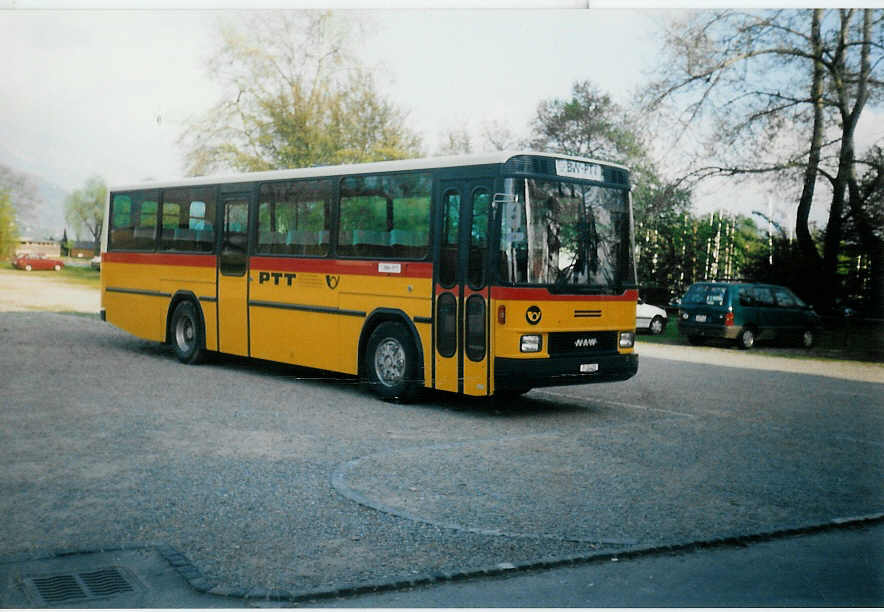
188 336
391 363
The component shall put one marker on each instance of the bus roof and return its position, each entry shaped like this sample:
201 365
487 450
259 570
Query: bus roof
426 163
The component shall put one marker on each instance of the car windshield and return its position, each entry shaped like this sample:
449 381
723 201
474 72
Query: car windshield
568 235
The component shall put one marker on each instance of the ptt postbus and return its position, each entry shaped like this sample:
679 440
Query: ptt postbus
481 274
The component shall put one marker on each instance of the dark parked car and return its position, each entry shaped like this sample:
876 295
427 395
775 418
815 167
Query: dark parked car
746 312
37 262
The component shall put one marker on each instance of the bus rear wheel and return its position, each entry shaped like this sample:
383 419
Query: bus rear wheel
187 334
391 363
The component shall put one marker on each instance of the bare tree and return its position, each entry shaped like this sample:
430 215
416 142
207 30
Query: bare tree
752 81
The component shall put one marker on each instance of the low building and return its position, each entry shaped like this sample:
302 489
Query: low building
31 246
83 249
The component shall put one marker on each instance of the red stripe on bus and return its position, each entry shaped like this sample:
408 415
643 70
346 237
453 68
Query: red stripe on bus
538 294
409 269
161 259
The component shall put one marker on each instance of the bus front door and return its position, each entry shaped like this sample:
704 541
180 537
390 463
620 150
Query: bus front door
462 349
233 260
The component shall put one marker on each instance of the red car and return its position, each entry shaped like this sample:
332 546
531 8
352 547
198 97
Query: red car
37 262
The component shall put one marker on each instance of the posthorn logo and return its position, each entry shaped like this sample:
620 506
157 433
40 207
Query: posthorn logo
533 315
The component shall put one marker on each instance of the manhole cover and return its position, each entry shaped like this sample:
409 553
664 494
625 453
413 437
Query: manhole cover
48 590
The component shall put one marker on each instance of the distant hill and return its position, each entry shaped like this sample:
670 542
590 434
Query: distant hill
45 217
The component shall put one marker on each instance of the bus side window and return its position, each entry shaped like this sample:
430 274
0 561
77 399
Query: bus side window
385 216
133 221
293 218
187 216
121 225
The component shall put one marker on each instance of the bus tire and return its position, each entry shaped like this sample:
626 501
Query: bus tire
187 334
391 363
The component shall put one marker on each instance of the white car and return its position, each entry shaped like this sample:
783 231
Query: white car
650 318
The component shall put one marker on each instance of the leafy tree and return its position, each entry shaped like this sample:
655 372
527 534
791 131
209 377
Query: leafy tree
590 124
84 209
8 228
865 221
293 97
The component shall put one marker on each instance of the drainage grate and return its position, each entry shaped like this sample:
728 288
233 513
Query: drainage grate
57 589
82 586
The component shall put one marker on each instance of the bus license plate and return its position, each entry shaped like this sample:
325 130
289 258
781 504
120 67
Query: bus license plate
589 368
701 318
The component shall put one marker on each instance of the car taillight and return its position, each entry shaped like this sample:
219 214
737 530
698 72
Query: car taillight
729 319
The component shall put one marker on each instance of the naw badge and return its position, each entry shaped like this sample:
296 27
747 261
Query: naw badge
332 280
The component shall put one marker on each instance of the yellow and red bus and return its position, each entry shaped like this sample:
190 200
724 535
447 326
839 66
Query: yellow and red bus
481 274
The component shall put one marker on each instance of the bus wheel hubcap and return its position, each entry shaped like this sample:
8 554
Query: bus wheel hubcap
389 362
184 333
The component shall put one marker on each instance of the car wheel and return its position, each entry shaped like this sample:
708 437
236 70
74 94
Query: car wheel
56 267
390 365
697 340
746 339
188 336
808 338
28 268
658 324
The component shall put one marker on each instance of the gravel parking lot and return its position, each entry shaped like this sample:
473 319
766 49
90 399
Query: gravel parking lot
272 476
45 291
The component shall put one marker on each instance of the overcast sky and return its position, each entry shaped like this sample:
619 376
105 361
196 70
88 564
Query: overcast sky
91 92
107 92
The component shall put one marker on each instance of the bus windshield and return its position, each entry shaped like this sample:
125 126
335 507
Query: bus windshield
571 236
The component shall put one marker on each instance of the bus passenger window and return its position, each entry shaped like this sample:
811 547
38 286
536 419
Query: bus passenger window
385 216
187 220
122 226
293 218
133 221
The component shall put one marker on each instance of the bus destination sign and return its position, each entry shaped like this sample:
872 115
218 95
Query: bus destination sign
579 169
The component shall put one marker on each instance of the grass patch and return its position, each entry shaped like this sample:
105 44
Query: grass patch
77 275
80 275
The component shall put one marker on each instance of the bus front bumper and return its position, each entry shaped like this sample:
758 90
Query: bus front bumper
571 370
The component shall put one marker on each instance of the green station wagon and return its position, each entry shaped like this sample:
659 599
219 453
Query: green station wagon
745 312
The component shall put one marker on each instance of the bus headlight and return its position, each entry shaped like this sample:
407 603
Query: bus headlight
530 344
627 339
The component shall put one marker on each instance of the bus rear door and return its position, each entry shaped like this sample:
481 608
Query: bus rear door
462 351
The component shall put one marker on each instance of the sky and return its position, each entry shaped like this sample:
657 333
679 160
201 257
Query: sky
108 92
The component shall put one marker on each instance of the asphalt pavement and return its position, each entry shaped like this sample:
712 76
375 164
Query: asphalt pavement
263 479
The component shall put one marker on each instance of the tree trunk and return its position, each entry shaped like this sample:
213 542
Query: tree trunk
802 231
